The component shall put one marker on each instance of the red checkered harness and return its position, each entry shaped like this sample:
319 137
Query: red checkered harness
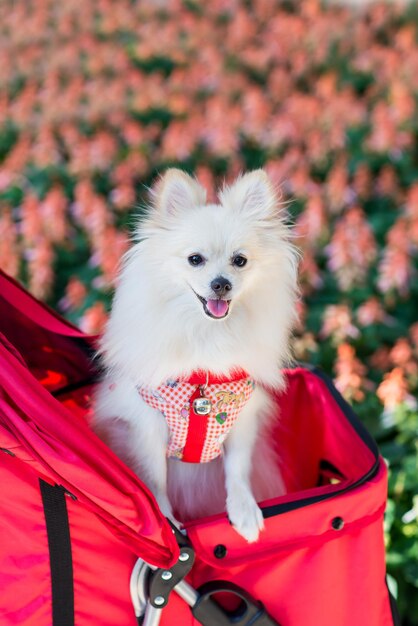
198 438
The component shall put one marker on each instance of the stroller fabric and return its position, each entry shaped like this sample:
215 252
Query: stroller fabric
74 518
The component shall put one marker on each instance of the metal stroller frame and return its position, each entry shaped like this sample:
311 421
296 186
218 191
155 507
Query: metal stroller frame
151 587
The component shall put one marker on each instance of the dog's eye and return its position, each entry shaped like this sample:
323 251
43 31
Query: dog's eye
196 259
239 260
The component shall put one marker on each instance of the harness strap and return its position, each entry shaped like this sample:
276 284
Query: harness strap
60 557
196 434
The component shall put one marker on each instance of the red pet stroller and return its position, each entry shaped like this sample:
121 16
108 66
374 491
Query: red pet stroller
83 542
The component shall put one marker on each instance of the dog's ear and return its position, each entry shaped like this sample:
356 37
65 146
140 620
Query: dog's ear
177 191
253 194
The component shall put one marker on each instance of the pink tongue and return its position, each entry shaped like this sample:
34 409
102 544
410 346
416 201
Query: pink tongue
217 308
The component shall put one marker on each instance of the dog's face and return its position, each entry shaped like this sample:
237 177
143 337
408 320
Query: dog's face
213 259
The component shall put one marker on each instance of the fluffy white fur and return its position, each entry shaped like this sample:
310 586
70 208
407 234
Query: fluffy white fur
159 330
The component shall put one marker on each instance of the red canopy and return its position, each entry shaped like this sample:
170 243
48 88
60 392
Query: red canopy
61 448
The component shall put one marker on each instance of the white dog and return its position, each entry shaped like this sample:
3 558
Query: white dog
198 332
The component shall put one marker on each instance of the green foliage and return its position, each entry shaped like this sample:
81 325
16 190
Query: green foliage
400 449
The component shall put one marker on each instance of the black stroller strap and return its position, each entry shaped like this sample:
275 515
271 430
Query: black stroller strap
60 557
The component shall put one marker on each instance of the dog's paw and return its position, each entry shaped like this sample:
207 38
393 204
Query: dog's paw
244 514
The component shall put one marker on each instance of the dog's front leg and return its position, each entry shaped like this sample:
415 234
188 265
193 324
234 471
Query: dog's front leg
242 508
150 437
137 433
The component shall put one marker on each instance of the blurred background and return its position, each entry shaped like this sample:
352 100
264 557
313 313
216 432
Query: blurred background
98 97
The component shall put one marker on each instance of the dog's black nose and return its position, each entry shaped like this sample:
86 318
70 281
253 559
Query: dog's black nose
221 285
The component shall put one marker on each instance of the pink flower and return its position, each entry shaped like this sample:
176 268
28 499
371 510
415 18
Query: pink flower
75 294
206 178
9 248
411 204
402 355
395 268
309 272
337 324
387 183
94 319
336 187
395 271
53 210
350 373
41 275
372 312
108 247
31 226
311 226
123 196
362 181
393 391
304 346
352 249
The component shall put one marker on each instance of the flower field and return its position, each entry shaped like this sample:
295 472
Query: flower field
98 97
